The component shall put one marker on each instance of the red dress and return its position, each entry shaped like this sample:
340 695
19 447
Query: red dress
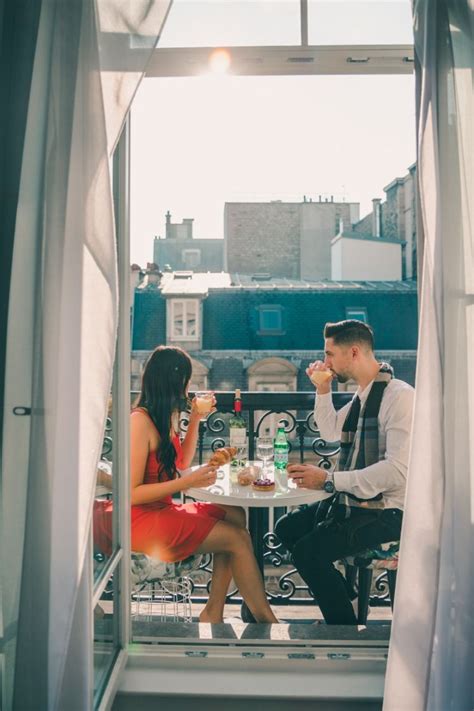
163 529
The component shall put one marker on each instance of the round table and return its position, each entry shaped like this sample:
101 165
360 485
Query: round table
285 493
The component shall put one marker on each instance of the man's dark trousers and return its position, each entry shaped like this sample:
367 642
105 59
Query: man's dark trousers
314 548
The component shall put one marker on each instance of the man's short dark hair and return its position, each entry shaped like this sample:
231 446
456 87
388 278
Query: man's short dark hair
345 333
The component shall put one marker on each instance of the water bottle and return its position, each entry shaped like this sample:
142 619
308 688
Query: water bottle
280 457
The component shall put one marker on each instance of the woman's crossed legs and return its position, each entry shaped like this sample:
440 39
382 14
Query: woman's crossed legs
231 545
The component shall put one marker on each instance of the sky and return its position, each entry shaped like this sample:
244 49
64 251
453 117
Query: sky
199 142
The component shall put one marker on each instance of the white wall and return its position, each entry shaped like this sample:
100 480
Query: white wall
336 261
365 260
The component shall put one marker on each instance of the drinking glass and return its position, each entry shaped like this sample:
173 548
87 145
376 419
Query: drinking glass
265 451
204 401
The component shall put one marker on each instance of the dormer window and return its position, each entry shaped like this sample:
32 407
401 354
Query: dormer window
184 317
359 313
270 320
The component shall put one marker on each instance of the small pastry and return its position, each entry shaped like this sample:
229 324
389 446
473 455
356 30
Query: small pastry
263 485
223 455
247 475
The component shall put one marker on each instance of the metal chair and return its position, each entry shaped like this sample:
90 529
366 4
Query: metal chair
363 565
166 584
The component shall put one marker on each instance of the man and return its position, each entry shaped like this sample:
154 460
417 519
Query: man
369 481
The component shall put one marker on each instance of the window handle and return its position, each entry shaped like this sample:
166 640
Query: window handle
21 410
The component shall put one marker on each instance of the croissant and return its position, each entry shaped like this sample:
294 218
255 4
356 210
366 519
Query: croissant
223 455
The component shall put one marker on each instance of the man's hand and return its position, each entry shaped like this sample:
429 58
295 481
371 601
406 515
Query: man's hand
307 476
325 386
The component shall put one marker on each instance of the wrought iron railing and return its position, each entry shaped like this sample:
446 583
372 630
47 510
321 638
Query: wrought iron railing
294 409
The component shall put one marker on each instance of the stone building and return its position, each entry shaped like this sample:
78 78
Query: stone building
284 239
260 333
391 228
180 250
325 239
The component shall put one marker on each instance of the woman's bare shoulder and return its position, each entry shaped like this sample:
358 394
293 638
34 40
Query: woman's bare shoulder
140 418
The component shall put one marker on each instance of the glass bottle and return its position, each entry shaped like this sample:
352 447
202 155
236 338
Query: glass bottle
281 449
238 436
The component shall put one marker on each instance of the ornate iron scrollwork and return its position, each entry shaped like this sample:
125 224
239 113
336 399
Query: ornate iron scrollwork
107 442
382 588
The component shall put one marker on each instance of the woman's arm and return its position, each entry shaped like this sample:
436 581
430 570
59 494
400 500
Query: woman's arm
189 443
139 449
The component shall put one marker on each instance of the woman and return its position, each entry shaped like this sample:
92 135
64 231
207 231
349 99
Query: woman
172 531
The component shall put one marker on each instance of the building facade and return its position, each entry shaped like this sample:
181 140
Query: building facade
325 239
179 250
285 239
261 334
393 221
359 256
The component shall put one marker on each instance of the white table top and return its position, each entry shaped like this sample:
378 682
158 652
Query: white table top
226 492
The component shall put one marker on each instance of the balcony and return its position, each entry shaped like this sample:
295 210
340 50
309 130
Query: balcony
286 590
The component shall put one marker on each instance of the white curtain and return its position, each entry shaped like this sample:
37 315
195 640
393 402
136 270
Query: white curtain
89 59
430 663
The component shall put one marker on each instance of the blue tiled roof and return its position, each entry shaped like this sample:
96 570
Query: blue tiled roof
231 313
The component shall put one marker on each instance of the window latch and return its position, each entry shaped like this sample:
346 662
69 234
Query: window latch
21 410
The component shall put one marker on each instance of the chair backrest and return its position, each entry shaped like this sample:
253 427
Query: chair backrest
383 557
145 569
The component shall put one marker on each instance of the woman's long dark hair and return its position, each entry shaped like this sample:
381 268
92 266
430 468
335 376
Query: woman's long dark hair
164 391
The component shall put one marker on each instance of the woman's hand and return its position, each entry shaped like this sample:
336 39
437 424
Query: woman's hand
196 415
202 477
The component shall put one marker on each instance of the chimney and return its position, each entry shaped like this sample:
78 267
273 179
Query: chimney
153 274
376 221
168 225
135 274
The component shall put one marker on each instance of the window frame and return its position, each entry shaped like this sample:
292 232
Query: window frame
267 308
357 309
187 252
151 665
184 336
118 566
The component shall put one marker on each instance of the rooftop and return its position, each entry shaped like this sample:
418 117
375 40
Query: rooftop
352 234
200 283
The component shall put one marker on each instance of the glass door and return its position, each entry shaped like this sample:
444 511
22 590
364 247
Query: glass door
110 525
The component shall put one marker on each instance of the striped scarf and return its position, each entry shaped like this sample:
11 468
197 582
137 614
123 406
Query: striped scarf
361 446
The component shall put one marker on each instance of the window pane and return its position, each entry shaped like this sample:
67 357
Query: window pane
354 22
178 318
191 318
105 642
270 320
102 520
227 23
191 258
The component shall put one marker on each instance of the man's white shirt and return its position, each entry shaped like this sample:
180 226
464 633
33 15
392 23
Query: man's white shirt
388 476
